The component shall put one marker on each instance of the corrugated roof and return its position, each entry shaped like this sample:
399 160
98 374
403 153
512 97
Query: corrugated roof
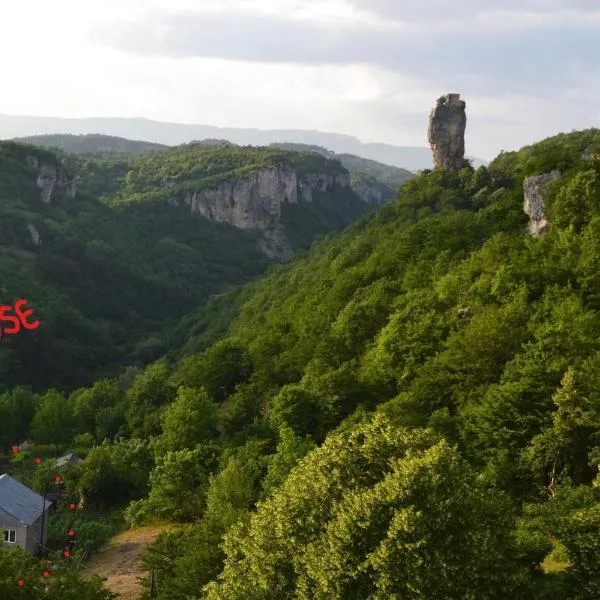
19 501
67 459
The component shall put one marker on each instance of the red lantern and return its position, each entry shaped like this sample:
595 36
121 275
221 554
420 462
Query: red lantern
38 460
71 533
20 583
72 506
58 479
15 449
46 573
66 554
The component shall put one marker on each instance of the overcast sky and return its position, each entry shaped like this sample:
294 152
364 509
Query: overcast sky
370 68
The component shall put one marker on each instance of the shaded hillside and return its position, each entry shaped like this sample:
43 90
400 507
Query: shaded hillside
121 271
104 283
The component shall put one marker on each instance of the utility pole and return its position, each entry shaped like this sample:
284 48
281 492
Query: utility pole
57 482
153 590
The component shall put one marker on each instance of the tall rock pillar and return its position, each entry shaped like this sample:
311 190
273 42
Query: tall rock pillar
446 134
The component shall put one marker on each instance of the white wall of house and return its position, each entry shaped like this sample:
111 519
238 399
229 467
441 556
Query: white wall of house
26 538
9 523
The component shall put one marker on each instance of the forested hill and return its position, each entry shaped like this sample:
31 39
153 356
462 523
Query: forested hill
439 311
411 409
101 162
91 143
123 270
392 176
289 197
104 283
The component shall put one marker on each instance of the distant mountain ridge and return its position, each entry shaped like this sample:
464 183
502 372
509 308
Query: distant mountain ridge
91 143
172 134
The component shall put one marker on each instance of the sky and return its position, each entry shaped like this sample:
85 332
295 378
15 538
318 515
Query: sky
527 69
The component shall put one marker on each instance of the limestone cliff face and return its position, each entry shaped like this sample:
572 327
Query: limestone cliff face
254 202
251 202
446 133
372 192
533 201
52 178
320 182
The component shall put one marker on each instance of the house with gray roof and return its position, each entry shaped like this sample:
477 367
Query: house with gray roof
22 512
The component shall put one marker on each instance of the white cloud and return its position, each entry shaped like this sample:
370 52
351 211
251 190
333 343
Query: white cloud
518 88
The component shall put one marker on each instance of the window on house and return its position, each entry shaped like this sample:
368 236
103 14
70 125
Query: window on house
10 536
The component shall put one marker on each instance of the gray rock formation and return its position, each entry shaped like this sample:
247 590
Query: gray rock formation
274 243
533 200
51 177
254 202
446 133
35 236
372 192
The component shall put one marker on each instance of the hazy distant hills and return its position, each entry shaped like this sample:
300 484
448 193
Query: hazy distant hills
406 157
93 143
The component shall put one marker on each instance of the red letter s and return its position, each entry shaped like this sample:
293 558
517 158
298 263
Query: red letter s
11 319
24 314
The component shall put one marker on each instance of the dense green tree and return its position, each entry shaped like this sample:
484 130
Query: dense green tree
20 566
115 473
189 420
54 421
290 449
178 485
577 201
218 370
571 519
296 408
376 512
99 409
146 398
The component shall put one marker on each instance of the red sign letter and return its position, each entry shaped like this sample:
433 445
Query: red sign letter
24 314
11 319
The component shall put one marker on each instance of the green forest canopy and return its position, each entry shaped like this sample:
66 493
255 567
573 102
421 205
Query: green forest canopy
410 410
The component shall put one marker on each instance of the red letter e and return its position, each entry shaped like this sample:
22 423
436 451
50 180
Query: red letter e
24 314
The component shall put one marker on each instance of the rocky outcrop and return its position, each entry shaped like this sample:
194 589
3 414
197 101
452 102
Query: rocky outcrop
321 182
446 133
372 192
255 202
274 243
51 178
251 202
533 202
35 236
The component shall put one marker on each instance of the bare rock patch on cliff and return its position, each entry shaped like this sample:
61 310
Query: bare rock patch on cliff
533 200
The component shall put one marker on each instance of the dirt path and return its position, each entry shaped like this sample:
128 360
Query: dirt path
119 561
